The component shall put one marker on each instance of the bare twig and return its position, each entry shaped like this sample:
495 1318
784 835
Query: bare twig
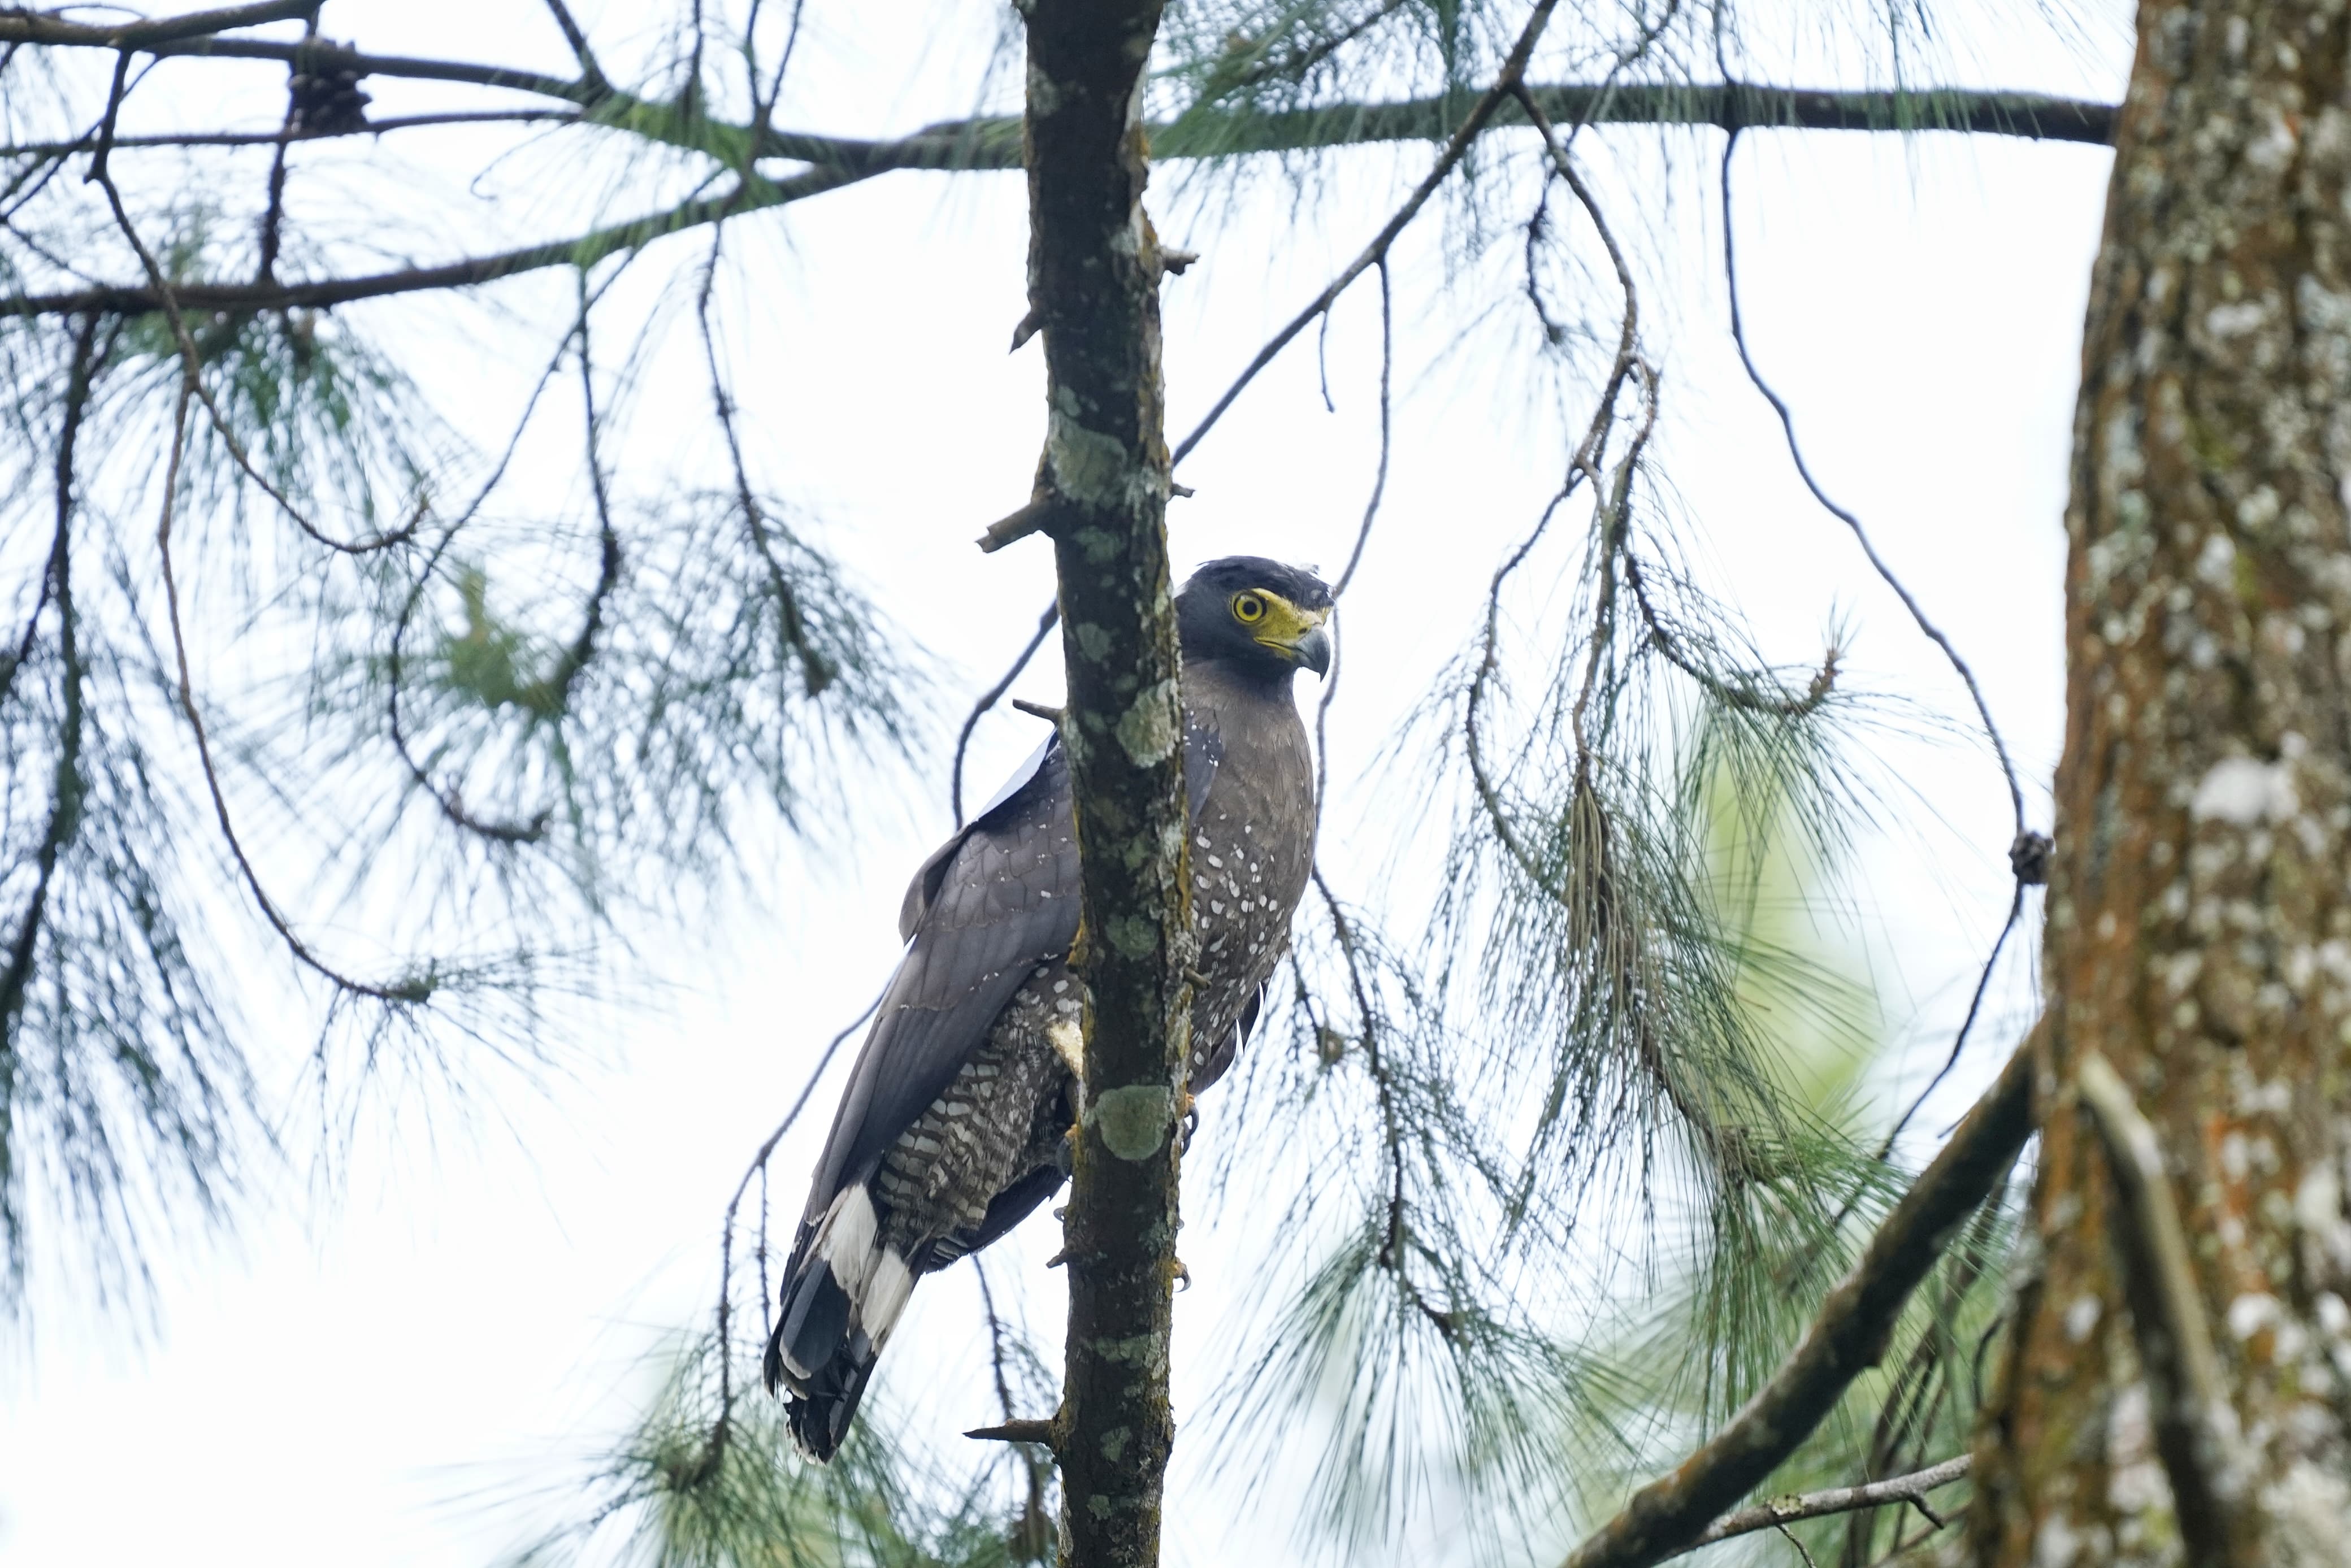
66 790
1391 1254
1554 334
1861 535
114 98
816 671
191 379
583 250
1612 512
1456 148
1847 1335
1781 1512
989 698
1960 1040
505 831
32 28
408 990
1363 534
1926 1377
1583 464
2195 1425
1791 1537
576 657
295 133
591 74
1017 1431
273 216
1033 518
1743 690
995 1335
758 1168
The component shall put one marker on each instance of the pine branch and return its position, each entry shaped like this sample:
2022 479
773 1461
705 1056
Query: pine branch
1849 1335
993 143
580 251
29 27
1787 1510
1210 129
1738 106
287 135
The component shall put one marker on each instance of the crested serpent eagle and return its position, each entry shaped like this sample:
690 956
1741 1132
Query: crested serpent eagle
955 1125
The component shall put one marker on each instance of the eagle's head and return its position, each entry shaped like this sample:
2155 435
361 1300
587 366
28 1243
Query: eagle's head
1258 614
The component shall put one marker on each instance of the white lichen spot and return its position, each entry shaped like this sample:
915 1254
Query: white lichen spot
2137 1481
2056 1544
2216 563
2245 791
2225 321
2252 1312
2081 1317
2274 149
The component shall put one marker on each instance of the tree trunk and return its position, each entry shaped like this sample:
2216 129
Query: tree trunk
2200 933
1101 489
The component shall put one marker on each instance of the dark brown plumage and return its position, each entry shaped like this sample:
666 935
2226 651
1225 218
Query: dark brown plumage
953 1127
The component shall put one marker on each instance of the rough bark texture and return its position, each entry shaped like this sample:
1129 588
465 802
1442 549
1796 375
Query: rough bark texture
2199 934
1093 283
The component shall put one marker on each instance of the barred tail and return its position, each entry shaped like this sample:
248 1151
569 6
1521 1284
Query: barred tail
840 1300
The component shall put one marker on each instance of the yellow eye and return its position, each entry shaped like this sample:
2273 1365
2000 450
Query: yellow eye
1247 608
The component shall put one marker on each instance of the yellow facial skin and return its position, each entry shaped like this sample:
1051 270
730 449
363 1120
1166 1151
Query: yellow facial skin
1274 621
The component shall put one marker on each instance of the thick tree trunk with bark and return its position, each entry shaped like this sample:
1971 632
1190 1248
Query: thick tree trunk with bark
1101 493
2199 921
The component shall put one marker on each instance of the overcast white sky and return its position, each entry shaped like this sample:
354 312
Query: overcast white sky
477 1310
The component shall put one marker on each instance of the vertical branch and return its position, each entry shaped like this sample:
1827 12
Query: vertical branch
1363 532
791 628
66 793
1094 286
273 218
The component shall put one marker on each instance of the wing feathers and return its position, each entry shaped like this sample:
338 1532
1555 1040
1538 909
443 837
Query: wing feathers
982 912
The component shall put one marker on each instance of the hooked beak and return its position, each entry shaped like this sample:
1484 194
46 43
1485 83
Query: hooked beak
1313 650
